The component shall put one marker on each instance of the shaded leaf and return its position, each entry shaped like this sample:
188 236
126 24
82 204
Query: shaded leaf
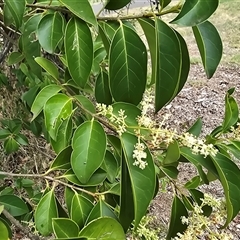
62 161
65 228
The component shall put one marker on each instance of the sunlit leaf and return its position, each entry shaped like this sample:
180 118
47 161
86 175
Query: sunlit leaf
65 228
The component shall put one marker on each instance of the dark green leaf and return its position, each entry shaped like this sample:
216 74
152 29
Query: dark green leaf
110 165
79 50
231 111
86 104
178 211
209 45
173 153
194 12
142 180
10 145
62 161
101 209
46 210
196 128
4 133
127 75
229 176
102 90
89 146
193 183
115 4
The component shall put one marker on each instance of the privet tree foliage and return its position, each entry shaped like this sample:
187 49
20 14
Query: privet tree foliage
93 89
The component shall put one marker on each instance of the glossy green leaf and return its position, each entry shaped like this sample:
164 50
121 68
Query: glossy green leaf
50 31
97 178
43 96
193 183
14 205
99 56
126 214
14 58
209 45
3 231
77 7
107 31
62 161
172 154
46 210
102 90
101 209
148 27
110 165
199 160
229 176
104 228
231 111
178 211
115 142
79 50
127 75
80 209
172 64
68 196
65 228
196 128
194 12
115 4
64 135
142 180
10 145
57 109
89 146
234 148
48 66
17 9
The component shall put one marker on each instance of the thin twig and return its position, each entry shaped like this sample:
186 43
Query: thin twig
23 229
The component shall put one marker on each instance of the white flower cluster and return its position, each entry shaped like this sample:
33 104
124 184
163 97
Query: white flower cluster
197 145
202 227
119 120
139 155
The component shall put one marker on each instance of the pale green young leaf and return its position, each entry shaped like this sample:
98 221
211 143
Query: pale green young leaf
57 109
43 96
48 66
